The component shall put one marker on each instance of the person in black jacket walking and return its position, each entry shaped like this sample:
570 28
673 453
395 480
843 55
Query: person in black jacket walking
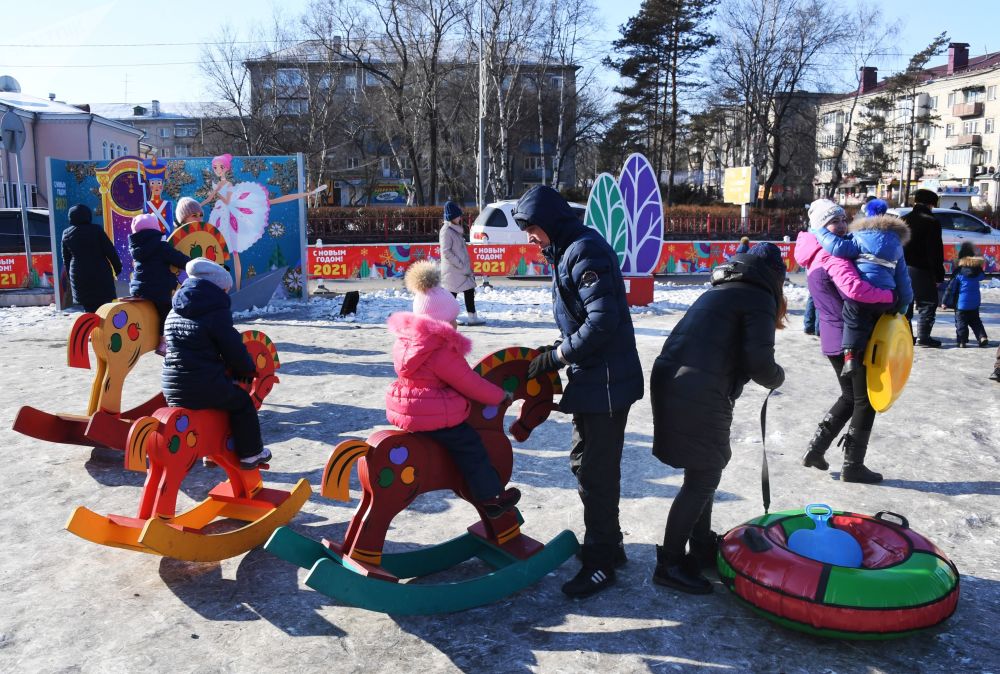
89 256
153 279
925 260
724 340
605 377
201 345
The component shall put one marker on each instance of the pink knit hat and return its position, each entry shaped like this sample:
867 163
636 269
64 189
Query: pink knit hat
429 298
145 221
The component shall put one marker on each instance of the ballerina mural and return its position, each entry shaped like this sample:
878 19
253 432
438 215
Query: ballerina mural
241 210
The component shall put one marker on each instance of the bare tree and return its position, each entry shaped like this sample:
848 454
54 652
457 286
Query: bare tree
862 47
769 52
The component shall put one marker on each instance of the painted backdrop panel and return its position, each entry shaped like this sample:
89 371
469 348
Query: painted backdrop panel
266 235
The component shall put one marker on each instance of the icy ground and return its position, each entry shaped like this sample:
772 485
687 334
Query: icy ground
68 605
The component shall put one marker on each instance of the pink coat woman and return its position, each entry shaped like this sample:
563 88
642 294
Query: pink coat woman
435 382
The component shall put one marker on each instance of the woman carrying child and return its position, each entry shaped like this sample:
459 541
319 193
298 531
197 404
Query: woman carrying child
435 383
876 244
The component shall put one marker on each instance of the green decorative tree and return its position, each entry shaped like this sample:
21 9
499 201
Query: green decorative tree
277 259
522 267
365 270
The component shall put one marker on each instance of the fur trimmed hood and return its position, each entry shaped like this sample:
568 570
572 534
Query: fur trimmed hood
886 223
971 262
425 336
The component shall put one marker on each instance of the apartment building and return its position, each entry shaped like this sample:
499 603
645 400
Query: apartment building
309 91
169 129
951 117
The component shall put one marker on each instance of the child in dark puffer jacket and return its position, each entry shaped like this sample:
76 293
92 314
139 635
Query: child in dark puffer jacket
202 346
153 279
434 385
876 245
962 294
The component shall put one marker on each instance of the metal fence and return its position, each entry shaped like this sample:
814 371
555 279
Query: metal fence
395 228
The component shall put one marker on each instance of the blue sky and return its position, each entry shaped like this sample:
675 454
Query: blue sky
45 54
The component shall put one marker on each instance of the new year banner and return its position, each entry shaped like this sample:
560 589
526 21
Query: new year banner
255 203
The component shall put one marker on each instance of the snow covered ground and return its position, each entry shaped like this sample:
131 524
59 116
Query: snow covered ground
71 605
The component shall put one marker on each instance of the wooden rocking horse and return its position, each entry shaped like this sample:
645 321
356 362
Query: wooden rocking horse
173 439
394 467
119 332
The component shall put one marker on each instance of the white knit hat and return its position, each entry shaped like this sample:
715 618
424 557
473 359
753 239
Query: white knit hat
823 211
204 268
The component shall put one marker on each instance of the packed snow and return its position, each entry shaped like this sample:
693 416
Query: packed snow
73 605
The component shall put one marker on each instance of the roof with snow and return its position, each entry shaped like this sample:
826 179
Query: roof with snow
132 112
34 104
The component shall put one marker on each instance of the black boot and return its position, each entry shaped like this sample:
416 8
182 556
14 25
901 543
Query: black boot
675 574
996 374
820 442
854 469
597 573
702 553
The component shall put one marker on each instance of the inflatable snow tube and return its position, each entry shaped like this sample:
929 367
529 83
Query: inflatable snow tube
904 585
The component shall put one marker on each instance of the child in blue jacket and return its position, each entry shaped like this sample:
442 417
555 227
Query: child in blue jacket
206 354
876 245
153 278
963 295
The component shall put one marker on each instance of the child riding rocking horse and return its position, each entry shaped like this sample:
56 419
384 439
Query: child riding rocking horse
435 383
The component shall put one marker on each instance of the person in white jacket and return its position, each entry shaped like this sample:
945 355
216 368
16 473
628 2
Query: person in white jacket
456 269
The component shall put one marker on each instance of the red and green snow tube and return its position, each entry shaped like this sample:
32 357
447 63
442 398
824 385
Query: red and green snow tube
905 583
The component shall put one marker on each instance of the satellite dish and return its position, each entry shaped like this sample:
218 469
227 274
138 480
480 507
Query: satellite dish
8 83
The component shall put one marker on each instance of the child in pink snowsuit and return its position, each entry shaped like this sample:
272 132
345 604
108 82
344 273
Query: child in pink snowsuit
431 395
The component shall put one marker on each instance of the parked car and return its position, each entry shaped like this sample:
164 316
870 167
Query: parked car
958 227
495 223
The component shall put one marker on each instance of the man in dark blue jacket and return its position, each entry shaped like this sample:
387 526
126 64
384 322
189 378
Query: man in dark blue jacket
598 346
205 354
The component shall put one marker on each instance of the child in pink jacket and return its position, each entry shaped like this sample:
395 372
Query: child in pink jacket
431 395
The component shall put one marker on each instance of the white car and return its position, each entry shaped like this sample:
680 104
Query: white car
496 223
957 227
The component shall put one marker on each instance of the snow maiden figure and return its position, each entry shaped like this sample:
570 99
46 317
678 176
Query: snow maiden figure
240 211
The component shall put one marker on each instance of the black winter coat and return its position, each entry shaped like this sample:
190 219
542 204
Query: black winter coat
590 309
90 259
152 278
925 249
201 344
724 340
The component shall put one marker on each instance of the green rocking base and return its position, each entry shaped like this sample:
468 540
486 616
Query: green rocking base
329 574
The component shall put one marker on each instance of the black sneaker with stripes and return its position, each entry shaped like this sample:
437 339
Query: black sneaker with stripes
590 580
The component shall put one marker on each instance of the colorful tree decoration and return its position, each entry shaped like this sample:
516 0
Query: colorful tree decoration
365 270
640 191
606 213
277 258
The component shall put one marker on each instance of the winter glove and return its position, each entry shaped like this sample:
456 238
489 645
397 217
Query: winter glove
548 347
547 361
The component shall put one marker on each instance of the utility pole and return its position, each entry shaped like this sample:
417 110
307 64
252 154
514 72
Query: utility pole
481 163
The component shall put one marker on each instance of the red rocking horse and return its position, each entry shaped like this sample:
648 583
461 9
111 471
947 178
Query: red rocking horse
173 439
394 467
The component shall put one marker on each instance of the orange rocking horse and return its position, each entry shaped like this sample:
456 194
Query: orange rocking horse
119 333
394 467
173 439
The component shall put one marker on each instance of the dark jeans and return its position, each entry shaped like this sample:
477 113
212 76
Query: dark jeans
243 422
965 319
468 452
470 300
810 322
690 515
853 403
859 321
595 459
925 300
